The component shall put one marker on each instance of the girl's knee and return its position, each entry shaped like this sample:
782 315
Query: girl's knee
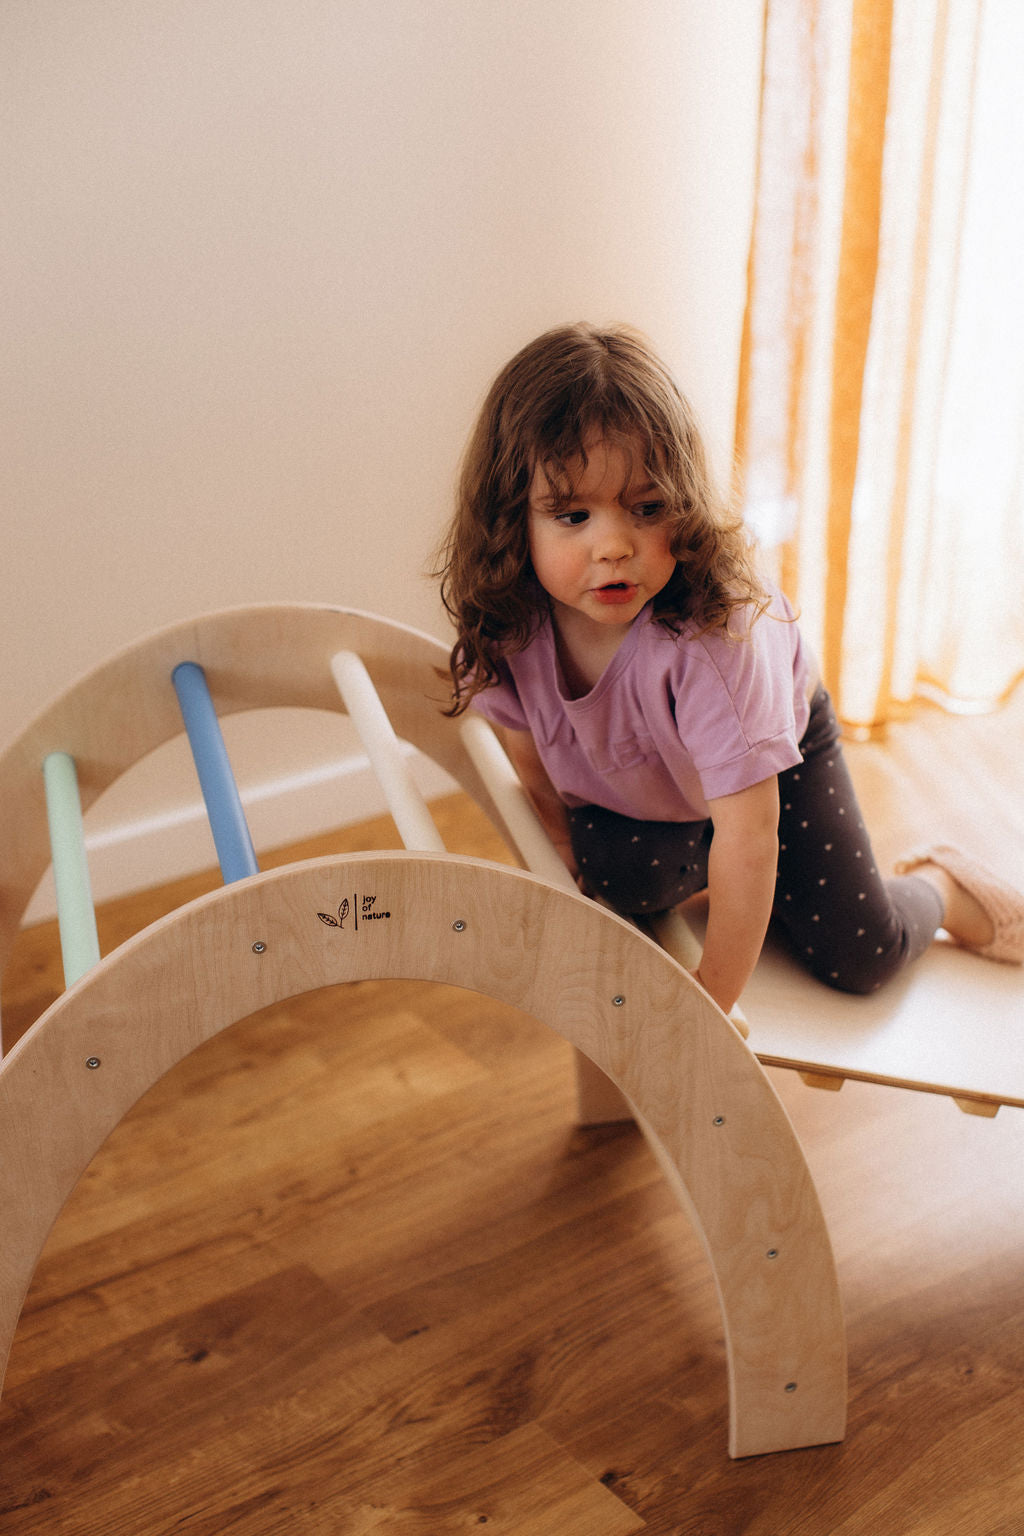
860 969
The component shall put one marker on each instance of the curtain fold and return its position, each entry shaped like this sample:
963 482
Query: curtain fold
880 419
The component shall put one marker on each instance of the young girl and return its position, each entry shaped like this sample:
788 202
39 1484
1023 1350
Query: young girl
656 696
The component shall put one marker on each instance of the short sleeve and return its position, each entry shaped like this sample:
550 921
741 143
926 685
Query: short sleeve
749 709
500 704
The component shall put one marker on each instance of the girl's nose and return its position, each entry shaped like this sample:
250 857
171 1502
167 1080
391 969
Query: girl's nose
612 541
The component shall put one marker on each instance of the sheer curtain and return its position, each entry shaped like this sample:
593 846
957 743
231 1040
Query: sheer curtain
880 430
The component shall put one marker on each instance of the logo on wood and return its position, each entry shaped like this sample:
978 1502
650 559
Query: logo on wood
353 911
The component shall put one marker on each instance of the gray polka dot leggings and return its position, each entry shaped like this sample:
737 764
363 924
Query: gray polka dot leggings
849 926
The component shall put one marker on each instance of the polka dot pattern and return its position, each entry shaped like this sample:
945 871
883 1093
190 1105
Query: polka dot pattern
850 927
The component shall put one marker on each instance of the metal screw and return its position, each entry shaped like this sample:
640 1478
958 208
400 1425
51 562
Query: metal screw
718 1120
258 947
773 1253
459 925
790 1386
618 1000
92 1062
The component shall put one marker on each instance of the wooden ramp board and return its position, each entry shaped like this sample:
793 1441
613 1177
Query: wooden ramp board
952 1024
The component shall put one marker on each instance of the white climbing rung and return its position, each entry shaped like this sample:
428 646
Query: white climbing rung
414 822
492 763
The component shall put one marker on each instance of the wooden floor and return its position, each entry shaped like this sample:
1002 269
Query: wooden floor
350 1268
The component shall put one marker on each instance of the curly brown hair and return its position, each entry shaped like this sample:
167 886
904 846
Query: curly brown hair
572 385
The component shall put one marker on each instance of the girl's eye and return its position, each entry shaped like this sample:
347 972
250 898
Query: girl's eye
649 510
572 519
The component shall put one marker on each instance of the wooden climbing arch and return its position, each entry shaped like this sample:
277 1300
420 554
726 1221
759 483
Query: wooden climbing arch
528 939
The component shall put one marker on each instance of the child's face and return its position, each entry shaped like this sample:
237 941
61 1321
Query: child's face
606 554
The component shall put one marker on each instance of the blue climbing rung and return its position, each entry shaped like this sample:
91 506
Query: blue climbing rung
230 829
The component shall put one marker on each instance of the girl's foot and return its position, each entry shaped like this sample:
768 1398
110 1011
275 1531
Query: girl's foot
980 911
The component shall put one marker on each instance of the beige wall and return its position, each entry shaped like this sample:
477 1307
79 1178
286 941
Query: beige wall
263 256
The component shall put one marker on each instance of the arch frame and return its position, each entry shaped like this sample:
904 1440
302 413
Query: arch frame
712 1117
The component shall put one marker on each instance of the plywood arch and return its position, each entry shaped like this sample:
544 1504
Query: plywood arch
713 1117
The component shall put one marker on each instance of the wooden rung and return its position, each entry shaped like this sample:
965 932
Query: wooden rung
522 823
985 1108
230 830
830 1081
407 806
76 915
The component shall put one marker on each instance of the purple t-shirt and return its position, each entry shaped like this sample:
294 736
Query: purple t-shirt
673 721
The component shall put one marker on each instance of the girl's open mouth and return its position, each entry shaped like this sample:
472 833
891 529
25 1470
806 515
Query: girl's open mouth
615 592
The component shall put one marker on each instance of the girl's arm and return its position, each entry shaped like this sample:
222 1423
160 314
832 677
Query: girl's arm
522 750
742 865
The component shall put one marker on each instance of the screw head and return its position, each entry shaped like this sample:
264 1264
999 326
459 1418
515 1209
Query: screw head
92 1062
718 1120
458 925
259 947
772 1253
790 1386
618 1000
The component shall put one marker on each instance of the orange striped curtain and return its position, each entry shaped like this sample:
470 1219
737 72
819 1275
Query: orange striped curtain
880 427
